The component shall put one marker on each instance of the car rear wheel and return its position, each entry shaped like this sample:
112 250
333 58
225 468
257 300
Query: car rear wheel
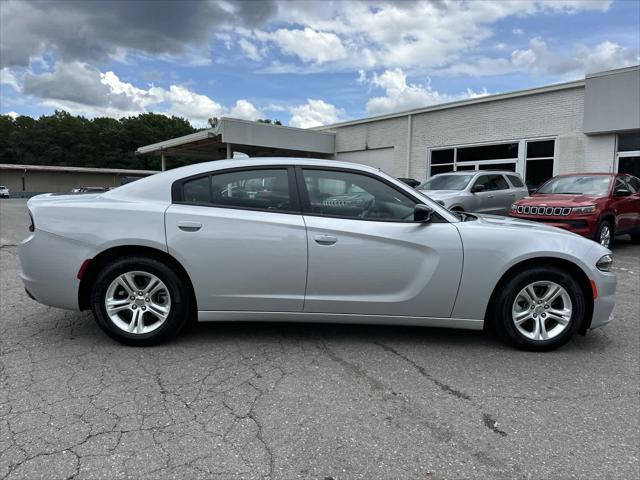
139 301
539 309
604 234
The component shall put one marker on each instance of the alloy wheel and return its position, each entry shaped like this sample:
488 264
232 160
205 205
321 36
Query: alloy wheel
605 236
137 302
542 310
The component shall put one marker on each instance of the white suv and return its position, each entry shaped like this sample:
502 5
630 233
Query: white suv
481 191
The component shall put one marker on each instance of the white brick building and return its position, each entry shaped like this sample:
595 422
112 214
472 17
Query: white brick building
582 126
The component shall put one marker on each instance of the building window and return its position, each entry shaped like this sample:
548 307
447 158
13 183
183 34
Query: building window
629 142
629 153
488 152
480 157
539 162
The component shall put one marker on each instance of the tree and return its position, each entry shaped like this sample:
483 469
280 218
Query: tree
65 139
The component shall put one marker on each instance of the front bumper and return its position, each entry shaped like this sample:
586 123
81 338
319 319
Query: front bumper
584 226
603 305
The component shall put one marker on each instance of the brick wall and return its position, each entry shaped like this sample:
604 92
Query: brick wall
552 114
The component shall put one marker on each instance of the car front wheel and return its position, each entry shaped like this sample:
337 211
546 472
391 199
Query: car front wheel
539 309
139 301
604 234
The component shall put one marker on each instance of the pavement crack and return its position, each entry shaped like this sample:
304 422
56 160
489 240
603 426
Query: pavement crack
443 386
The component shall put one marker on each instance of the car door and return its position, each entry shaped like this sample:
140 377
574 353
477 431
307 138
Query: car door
626 205
495 196
634 186
366 254
240 236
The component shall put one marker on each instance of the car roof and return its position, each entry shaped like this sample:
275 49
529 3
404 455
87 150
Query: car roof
158 186
589 174
473 172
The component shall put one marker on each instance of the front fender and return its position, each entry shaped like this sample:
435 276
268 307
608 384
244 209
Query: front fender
489 252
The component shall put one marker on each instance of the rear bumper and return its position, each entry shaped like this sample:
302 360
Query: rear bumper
49 267
584 226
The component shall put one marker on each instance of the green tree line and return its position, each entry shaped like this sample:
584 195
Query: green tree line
69 140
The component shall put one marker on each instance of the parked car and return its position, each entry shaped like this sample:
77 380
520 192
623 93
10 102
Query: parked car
412 182
4 192
186 243
481 191
594 205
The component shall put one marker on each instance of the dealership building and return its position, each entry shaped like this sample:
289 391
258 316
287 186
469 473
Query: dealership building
589 125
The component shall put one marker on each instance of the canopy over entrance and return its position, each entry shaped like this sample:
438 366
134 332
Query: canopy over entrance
251 138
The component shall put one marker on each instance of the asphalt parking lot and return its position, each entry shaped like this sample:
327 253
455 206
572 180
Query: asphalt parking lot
285 401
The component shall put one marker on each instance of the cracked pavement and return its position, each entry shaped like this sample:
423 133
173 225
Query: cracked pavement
284 401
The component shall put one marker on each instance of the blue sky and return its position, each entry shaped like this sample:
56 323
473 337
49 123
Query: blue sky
304 63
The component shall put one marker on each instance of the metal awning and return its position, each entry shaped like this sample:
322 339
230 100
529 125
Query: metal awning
252 138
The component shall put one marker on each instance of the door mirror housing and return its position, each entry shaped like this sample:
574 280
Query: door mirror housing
422 213
477 188
622 192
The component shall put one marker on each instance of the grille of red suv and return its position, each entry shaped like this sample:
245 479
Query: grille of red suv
536 210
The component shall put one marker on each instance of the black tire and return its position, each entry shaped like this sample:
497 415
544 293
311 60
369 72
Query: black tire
503 322
601 226
180 307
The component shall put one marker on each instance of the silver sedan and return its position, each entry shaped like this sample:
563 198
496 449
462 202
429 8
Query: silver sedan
306 240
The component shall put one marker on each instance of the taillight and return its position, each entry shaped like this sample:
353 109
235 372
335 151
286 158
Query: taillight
32 226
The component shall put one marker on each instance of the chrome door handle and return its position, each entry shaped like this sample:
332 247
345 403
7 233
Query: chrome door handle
490 196
189 226
325 239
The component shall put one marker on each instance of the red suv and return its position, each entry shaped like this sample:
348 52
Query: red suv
594 205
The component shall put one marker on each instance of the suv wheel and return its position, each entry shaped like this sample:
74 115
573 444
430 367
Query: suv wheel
539 309
604 234
139 301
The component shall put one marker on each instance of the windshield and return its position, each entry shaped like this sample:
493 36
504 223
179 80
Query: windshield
585 185
446 182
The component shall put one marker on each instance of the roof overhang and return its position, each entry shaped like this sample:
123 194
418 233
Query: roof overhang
252 138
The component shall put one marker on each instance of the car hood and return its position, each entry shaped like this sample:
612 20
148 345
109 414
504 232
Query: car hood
551 200
516 223
441 194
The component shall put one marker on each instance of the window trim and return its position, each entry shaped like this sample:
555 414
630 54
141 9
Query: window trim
306 203
294 196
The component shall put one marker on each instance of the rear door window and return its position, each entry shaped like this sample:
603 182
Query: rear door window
515 181
263 189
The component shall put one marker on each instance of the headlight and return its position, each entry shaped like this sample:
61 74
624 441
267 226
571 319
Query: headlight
587 209
604 264
514 207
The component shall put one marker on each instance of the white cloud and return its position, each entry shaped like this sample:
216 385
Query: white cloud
315 113
604 56
8 78
12 114
245 110
418 35
538 58
82 89
400 95
309 45
250 49
517 31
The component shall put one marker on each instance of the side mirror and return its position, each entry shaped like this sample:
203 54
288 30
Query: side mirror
477 188
422 213
622 192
